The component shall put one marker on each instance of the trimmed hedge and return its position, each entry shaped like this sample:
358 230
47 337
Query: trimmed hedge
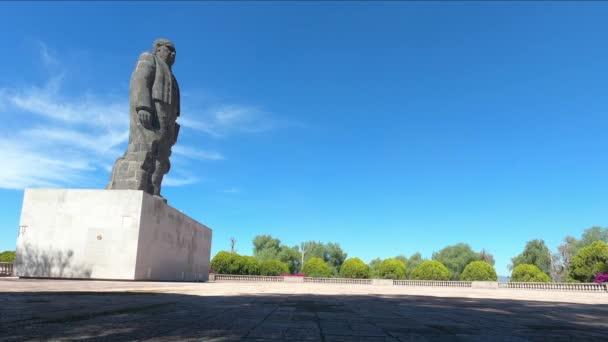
7 256
248 265
479 271
529 273
316 267
225 263
391 269
431 270
354 268
589 261
273 267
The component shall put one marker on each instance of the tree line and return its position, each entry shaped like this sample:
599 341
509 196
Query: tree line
576 260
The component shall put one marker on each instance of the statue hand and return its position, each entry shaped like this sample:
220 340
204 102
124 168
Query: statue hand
145 118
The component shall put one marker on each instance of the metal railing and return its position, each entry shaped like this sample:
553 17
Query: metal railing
6 269
589 287
432 283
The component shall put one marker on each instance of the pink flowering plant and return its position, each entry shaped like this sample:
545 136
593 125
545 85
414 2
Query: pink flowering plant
601 278
293 275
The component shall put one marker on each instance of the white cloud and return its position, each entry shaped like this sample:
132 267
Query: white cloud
196 153
232 190
24 167
224 120
179 181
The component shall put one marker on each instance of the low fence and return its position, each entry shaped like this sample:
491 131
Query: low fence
338 281
588 287
432 283
578 287
6 269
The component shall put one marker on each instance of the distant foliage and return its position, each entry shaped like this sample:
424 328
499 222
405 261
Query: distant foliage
431 270
391 269
535 253
226 263
479 271
248 265
456 258
7 256
273 267
374 265
589 261
354 268
529 273
316 267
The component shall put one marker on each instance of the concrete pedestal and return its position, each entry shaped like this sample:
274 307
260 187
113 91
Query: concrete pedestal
108 234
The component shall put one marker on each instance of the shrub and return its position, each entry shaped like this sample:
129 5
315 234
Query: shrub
354 268
316 267
589 261
601 278
7 256
431 270
391 269
479 271
226 263
248 265
529 273
272 267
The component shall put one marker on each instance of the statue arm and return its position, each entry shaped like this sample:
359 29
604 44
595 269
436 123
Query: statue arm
142 81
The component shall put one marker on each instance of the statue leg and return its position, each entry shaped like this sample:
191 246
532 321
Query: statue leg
162 167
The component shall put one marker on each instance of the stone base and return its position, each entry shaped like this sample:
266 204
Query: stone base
108 234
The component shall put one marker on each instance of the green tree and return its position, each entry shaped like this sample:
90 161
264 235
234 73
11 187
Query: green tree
273 267
266 247
226 263
291 257
456 258
589 261
486 256
529 273
535 253
431 270
248 265
335 257
7 256
479 271
373 268
316 267
412 262
568 249
391 269
354 268
331 253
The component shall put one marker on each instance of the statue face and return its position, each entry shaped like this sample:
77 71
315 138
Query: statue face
167 54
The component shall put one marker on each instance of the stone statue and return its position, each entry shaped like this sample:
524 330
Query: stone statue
154 108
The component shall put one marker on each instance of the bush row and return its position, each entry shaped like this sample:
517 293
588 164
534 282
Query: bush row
232 263
587 263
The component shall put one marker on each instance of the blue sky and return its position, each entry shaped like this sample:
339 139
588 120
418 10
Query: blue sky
389 128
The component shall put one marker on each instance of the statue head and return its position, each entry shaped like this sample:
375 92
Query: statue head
165 50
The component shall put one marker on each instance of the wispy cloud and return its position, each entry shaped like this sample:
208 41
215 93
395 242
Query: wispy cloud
193 153
224 120
232 190
62 140
179 181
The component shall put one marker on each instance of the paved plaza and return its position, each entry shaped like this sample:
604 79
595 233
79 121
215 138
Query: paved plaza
40 310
